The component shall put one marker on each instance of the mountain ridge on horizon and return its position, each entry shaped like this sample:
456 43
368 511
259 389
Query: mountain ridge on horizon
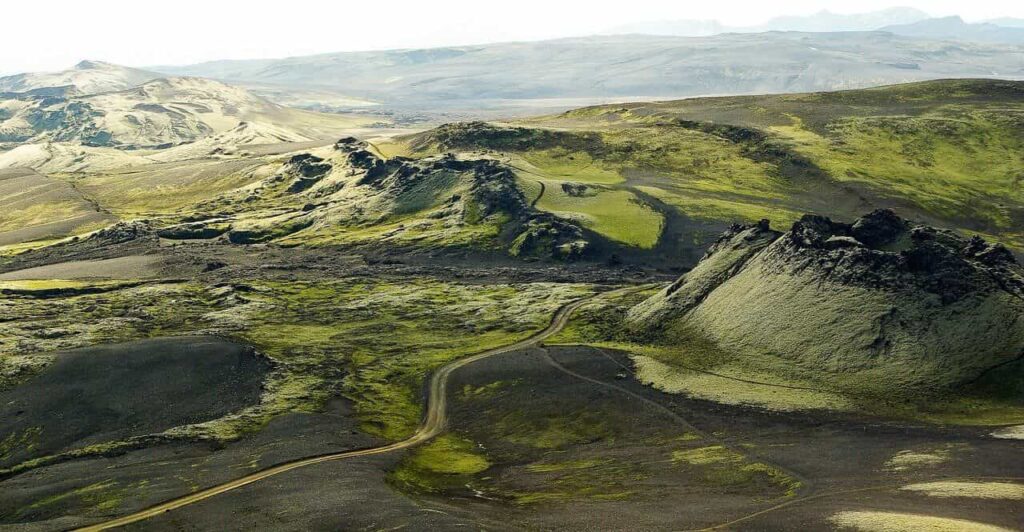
497 75
821 21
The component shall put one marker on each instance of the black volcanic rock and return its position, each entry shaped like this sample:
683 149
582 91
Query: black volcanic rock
880 228
306 170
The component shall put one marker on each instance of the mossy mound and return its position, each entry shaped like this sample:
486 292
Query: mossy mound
879 307
354 196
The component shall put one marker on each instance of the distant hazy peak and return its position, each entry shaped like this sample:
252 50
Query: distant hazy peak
955 28
86 77
1007 22
822 21
87 64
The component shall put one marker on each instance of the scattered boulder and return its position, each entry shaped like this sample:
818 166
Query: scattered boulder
880 228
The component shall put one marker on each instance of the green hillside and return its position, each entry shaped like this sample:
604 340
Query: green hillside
945 152
652 183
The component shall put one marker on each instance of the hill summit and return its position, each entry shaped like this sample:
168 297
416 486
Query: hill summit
86 77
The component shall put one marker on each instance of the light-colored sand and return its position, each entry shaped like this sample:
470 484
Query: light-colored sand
896 522
973 490
918 459
1010 433
733 391
131 267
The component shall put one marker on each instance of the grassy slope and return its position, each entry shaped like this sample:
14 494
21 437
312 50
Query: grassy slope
687 363
950 153
373 341
34 207
947 151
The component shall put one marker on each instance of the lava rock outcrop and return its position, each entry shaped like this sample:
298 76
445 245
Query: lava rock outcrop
478 191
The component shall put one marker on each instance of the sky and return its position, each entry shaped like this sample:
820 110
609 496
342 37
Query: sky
59 33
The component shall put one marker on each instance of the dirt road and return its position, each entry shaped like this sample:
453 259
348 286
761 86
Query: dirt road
433 424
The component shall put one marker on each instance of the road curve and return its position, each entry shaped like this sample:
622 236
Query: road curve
433 423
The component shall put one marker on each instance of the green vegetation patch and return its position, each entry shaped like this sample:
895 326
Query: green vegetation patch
447 463
958 163
487 391
723 467
374 341
553 431
616 214
561 163
386 336
595 479
100 498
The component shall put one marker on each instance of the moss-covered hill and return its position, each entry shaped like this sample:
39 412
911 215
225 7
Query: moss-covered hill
671 175
350 196
881 308
648 182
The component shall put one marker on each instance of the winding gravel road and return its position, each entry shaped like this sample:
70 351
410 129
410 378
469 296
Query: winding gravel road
433 424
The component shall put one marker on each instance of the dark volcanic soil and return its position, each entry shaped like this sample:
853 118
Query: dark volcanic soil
113 392
841 462
568 423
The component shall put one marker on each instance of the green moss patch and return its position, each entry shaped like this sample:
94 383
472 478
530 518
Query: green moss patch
719 466
446 463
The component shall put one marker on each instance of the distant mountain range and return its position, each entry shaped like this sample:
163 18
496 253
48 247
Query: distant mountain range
899 20
566 72
955 29
520 78
1007 22
823 21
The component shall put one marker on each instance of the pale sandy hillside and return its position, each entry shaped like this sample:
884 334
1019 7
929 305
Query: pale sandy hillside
87 77
162 113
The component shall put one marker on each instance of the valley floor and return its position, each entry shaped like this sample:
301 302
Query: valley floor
575 445
176 320
545 437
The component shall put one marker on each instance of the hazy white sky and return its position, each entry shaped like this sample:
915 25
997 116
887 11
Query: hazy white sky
56 34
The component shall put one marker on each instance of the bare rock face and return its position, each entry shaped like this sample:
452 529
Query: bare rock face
878 305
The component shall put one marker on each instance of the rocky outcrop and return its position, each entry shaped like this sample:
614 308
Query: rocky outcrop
544 235
124 232
305 170
469 136
878 305
478 191
194 231
883 251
